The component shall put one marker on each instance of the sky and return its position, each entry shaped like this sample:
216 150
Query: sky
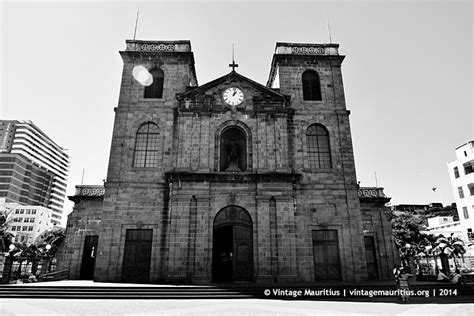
408 73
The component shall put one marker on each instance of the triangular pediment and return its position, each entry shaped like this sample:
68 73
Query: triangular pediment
210 95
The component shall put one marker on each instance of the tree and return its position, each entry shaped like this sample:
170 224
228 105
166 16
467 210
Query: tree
449 210
406 228
446 248
54 237
5 236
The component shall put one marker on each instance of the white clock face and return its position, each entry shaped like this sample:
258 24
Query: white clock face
233 96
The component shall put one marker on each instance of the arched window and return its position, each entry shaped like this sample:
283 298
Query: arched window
155 90
311 86
233 151
146 146
319 151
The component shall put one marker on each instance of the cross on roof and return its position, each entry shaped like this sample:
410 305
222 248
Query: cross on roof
233 65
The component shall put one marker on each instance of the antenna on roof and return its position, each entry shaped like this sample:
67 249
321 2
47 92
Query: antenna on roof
233 65
83 171
136 24
329 28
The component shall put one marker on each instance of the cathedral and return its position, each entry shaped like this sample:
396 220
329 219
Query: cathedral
229 181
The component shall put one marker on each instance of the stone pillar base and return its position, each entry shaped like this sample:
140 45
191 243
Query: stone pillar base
288 279
264 279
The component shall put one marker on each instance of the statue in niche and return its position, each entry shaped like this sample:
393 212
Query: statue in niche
233 155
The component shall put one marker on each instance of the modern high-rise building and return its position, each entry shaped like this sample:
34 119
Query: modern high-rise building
461 172
33 168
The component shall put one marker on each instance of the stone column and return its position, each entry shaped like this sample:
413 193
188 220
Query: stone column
262 243
203 251
286 230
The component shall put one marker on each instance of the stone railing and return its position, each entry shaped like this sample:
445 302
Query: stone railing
306 49
373 192
90 190
158 46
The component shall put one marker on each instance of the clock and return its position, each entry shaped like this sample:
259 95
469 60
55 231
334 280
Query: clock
233 96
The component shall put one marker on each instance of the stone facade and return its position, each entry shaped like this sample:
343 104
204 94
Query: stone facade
272 217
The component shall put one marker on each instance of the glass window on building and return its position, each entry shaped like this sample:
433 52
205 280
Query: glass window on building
461 192
456 172
468 167
17 211
464 211
22 211
13 228
471 190
30 229
25 228
33 212
28 211
27 220
32 220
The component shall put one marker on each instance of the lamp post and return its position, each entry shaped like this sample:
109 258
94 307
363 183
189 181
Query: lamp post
48 248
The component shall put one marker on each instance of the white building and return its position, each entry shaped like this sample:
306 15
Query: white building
27 222
444 225
461 172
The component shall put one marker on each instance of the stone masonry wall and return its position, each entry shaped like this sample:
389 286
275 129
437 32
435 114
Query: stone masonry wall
85 220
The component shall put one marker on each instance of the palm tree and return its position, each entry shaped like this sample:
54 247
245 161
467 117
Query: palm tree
459 249
447 248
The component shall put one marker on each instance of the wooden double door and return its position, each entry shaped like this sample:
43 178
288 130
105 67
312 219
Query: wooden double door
327 263
232 254
137 256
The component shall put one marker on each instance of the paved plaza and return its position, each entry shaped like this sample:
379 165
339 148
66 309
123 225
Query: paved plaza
10 307
376 306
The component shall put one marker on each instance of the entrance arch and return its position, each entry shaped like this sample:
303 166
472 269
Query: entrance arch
232 245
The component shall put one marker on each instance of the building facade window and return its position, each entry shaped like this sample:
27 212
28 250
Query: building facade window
311 86
461 193
456 172
468 168
465 212
155 89
146 146
319 152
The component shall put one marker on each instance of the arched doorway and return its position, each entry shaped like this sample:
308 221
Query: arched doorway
232 246
233 151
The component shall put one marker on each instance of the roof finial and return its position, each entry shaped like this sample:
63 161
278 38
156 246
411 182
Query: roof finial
233 65
136 24
329 28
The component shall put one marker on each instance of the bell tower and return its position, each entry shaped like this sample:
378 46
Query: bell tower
321 146
154 72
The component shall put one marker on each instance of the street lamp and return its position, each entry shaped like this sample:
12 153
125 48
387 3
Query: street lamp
48 248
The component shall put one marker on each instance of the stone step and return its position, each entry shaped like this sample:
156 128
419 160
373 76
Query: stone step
193 292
